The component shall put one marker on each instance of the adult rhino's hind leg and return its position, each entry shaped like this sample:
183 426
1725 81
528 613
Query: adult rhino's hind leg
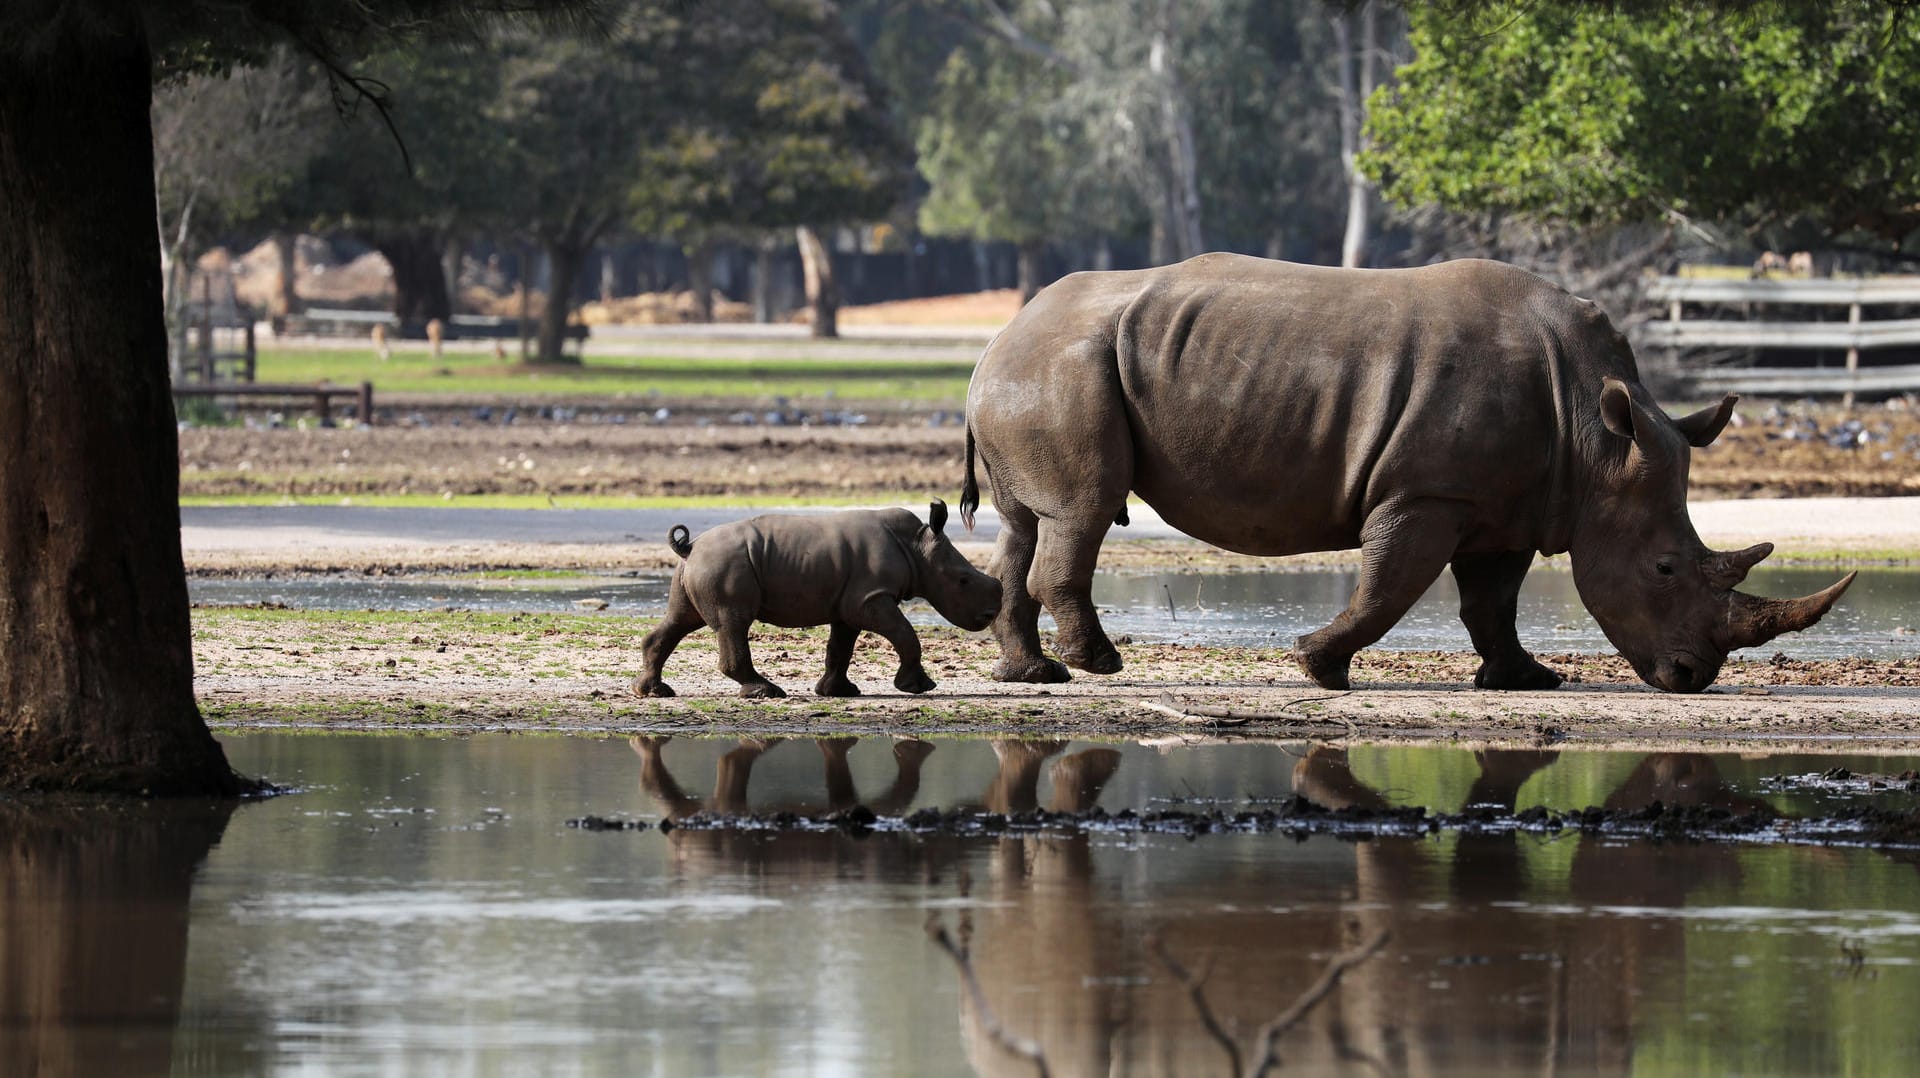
1402 549
1017 627
1063 578
1489 603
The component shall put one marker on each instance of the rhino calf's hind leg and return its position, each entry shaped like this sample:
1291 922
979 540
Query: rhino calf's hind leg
1063 578
680 619
736 658
1489 602
1017 627
1402 552
840 642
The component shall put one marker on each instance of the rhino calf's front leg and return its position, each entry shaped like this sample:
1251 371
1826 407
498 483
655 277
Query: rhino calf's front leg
840 642
879 614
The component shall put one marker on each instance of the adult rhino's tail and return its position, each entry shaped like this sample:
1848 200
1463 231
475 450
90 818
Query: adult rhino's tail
680 539
969 490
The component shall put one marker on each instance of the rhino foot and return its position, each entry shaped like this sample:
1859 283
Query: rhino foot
830 685
651 687
915 681
1521 678
1323 670
1106 662
1036 671
764 690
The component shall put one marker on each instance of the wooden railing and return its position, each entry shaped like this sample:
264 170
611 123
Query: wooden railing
1679 333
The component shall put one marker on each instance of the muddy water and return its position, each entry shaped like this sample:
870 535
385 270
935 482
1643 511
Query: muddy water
1875 620
424 907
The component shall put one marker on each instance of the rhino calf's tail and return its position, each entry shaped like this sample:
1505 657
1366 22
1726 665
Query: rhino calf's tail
680 539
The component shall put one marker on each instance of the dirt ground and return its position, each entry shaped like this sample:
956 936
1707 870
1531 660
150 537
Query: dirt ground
471 672
1777 451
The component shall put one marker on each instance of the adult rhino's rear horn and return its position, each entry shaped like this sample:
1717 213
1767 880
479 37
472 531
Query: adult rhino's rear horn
1752 621
1727 568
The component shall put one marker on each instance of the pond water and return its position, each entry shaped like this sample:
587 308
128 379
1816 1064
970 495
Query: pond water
424 907
1875 620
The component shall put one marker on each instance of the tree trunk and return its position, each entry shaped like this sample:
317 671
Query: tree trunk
93 927
1353 101
419 282
286 297
823 295
564 262
453 260
1029 272
1183 169
96 652
700 280
763 280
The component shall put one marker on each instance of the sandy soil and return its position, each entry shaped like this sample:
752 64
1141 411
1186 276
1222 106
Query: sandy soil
475 672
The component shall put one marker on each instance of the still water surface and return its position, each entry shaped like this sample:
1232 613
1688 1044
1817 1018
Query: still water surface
1876 619
423 907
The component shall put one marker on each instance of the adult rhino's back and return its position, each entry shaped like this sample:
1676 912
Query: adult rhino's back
1269 408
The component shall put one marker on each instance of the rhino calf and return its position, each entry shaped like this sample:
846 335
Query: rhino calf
847 570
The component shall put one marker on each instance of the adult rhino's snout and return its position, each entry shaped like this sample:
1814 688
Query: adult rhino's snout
1752 620
1683 673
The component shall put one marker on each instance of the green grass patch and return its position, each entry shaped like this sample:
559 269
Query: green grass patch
801 378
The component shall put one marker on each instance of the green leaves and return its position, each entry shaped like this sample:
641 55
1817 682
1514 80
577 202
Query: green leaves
1594 115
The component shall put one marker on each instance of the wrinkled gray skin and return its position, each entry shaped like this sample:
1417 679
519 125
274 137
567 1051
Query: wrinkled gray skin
847 570
1467 414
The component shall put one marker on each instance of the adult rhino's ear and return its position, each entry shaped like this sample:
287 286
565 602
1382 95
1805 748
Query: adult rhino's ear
1703 426
937 516
1616 407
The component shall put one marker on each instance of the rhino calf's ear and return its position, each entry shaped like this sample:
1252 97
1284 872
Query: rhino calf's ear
1703 426
937 516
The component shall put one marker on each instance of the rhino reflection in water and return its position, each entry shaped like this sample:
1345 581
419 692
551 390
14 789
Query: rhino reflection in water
1467 414
1062 957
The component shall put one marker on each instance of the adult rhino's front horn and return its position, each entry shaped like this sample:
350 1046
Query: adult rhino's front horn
1752 620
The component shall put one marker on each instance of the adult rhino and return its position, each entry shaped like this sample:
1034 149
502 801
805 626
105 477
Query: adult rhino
1464 414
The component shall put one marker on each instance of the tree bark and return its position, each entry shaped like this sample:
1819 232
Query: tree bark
1029 272
564 262
700 279
419 282
93 926
453 259
96 653
823 295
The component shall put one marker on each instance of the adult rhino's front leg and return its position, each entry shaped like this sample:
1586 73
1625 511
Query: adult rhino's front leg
1489 604
1403 548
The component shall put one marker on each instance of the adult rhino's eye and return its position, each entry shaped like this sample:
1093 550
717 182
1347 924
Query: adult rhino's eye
1664 568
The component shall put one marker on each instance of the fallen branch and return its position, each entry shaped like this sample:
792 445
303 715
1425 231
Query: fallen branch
1213 715
1269 1036
1008 1040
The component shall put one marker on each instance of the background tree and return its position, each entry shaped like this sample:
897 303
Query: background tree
1757 115
225 145
96 657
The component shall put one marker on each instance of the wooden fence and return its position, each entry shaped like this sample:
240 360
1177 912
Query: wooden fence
1679 333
